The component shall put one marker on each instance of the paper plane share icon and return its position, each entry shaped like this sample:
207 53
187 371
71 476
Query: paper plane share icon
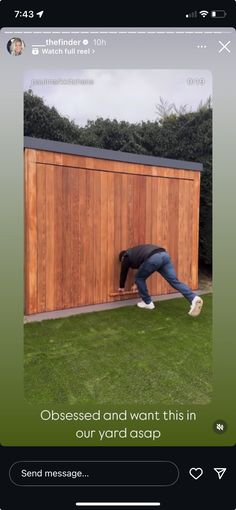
220 472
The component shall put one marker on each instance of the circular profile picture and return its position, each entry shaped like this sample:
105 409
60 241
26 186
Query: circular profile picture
15 46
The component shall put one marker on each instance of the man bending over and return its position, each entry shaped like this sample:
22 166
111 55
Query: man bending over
148 258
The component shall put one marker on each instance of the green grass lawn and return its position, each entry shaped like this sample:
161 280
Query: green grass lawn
121 356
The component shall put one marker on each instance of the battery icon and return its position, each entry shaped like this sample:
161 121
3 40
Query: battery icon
218 14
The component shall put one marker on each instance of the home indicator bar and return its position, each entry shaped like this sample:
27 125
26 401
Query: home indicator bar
108 503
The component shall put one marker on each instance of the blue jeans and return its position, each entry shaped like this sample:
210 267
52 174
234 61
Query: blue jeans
160 262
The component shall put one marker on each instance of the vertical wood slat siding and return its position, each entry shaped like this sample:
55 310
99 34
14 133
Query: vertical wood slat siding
97 215
41 235
195 230
50 241
117 222
31 241
111 254
78 220
89 239
66 229
58 237
104 237
185 228
75 234
82 255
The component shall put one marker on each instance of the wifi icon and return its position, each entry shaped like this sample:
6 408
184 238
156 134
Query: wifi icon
204 13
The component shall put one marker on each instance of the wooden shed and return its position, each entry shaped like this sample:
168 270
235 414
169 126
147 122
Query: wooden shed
83 205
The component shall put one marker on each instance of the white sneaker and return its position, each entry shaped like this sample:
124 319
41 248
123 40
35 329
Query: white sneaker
196 306
149 306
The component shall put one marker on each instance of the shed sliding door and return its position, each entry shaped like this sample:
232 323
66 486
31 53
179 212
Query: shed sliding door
77 221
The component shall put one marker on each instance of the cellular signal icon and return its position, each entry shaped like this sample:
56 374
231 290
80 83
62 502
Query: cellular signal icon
192 14
204 13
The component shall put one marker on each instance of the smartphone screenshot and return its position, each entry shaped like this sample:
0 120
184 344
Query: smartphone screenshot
117 258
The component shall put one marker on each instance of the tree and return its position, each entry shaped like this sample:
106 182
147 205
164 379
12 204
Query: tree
164 109
41 121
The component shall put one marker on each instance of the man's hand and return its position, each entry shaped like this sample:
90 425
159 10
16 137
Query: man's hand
134 288
121 289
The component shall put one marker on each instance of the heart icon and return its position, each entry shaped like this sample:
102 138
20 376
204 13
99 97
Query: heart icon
196 472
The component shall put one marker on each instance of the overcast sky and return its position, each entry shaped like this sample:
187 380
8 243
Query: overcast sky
129 95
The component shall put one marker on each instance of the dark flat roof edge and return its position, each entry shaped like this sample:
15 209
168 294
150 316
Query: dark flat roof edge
94 152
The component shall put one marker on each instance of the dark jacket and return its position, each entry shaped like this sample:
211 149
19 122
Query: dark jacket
134 257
